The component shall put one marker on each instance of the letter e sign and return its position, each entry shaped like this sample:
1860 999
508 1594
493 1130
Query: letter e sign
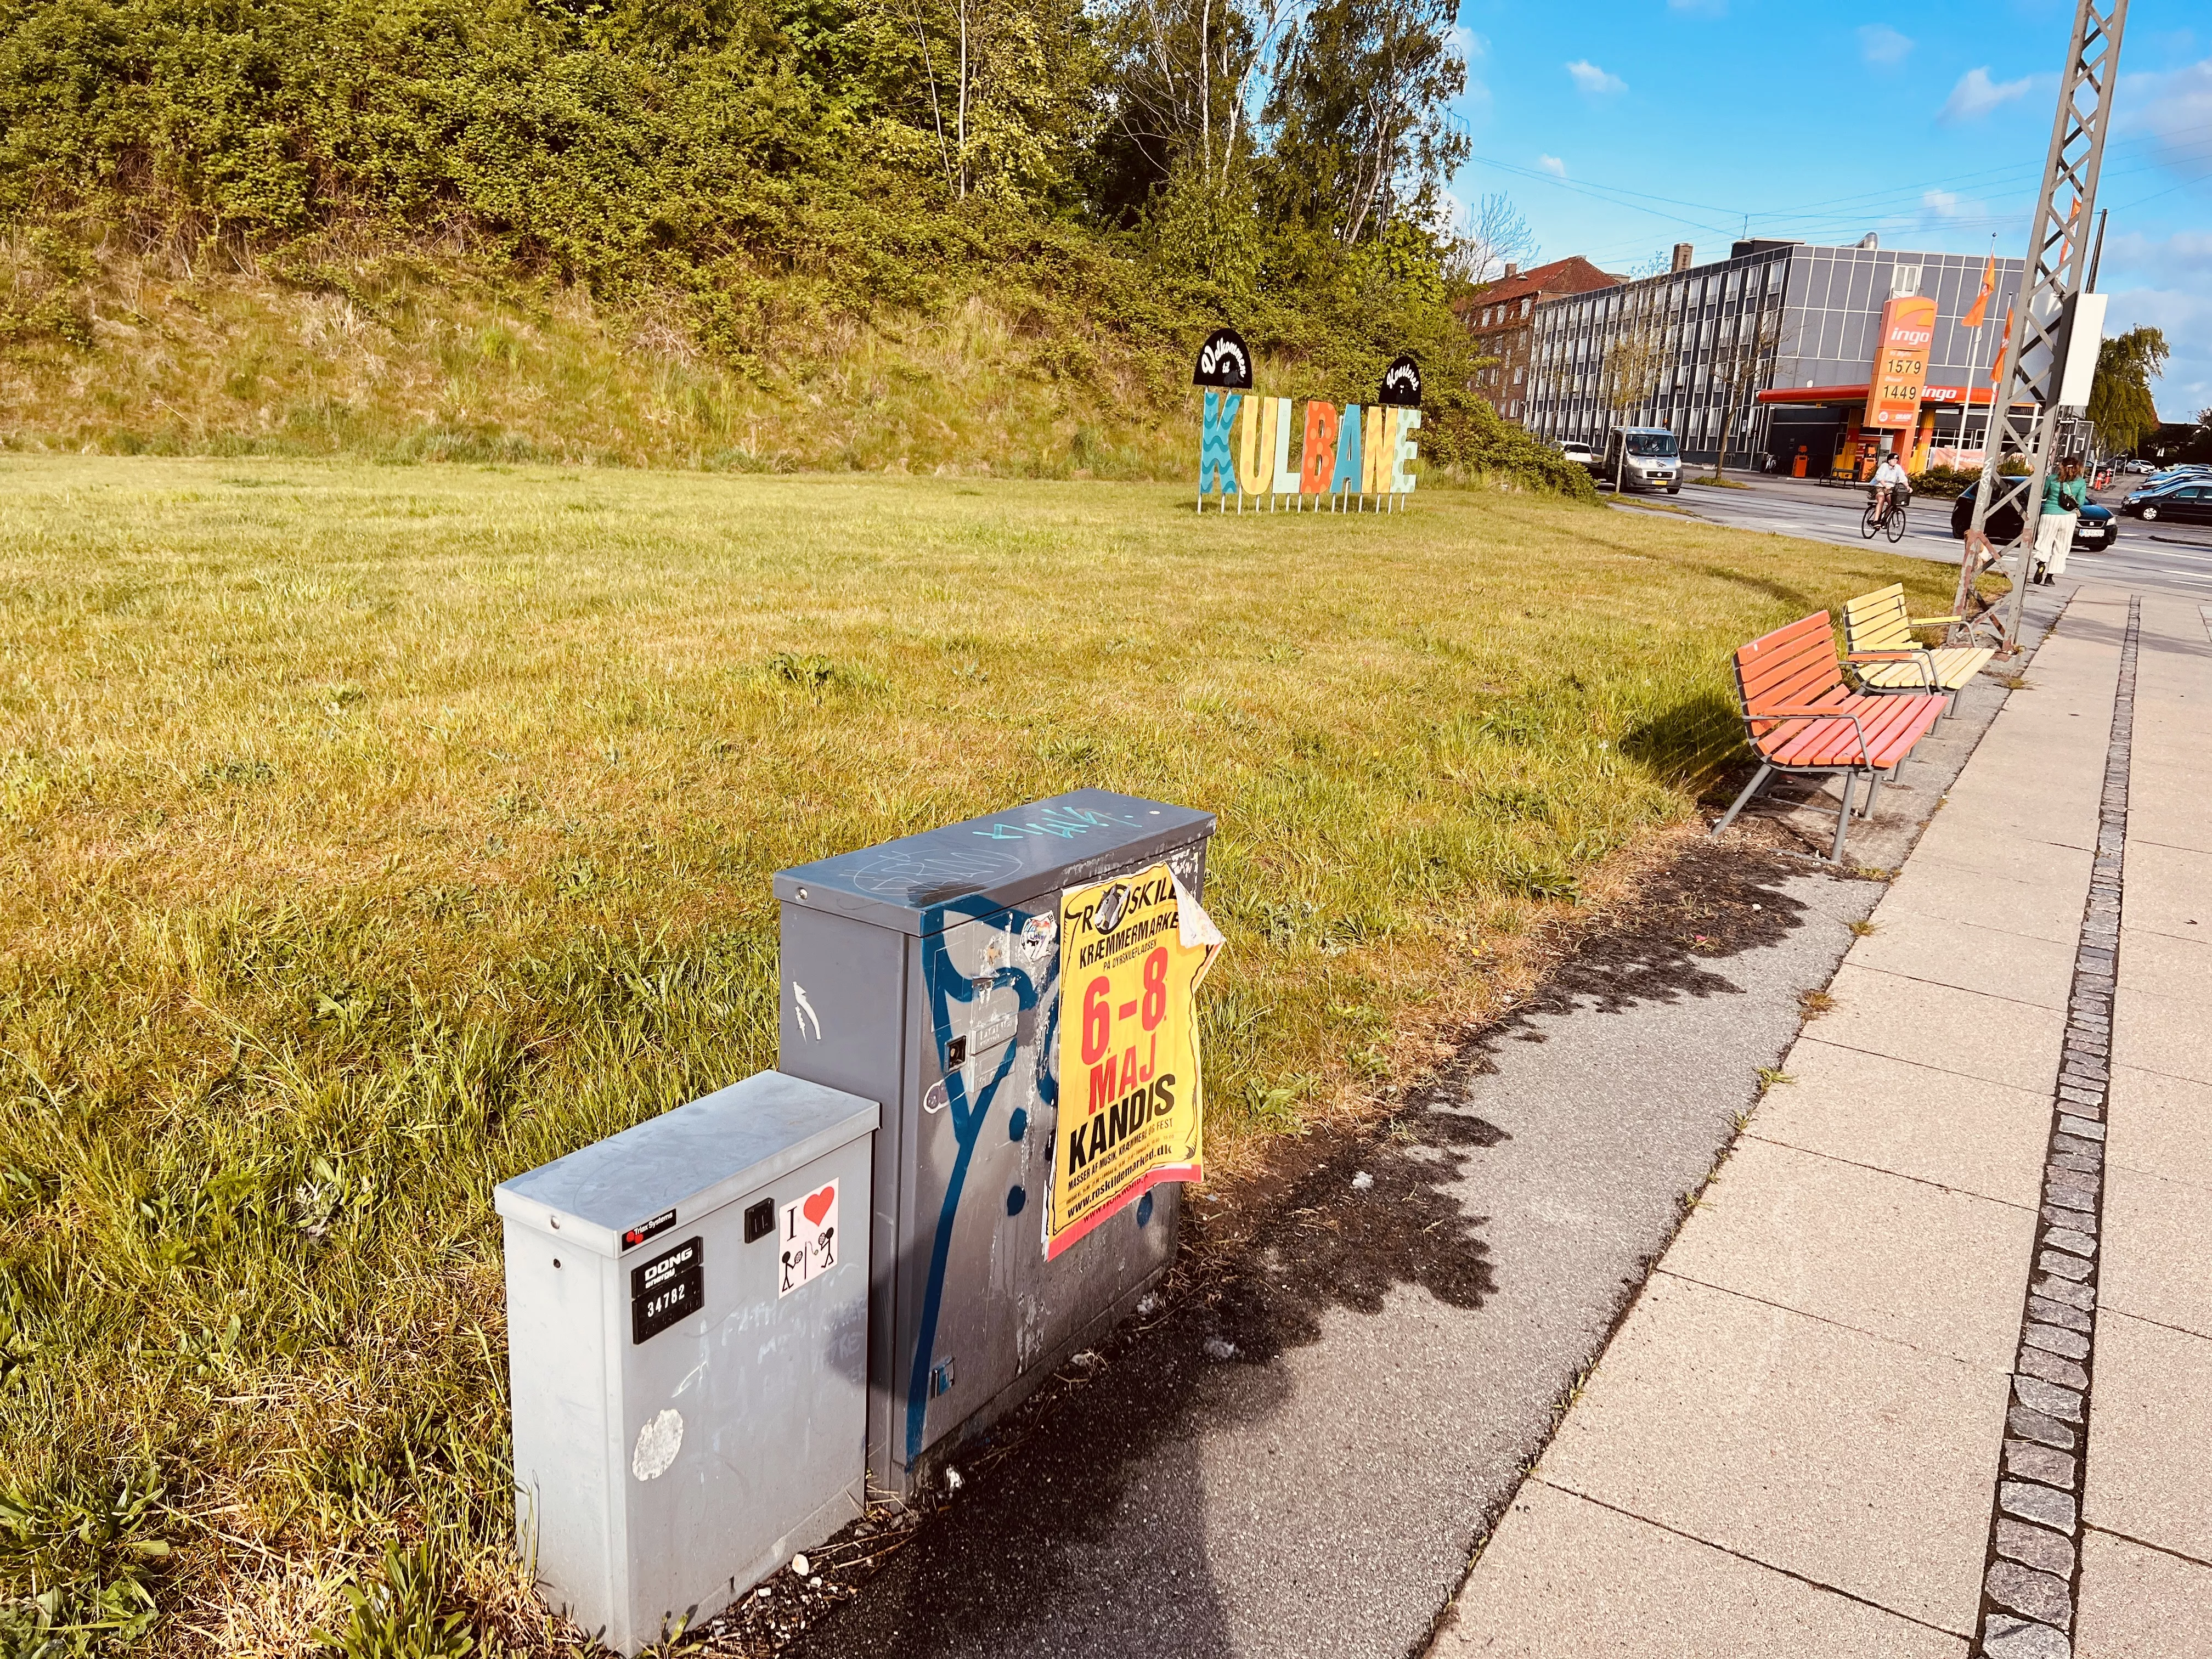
809 1239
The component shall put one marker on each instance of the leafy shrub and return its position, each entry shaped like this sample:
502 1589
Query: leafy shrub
1945 481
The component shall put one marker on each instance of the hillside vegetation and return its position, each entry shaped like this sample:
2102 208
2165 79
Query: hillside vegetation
779 233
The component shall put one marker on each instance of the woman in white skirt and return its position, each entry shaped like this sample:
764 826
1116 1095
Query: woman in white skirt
2063 497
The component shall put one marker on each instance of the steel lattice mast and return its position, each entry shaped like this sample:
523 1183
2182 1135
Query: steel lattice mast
2023 416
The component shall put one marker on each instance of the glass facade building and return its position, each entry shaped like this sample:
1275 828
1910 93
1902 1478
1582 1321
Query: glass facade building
1809 314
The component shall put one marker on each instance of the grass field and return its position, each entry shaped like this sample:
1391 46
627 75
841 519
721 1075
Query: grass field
370 834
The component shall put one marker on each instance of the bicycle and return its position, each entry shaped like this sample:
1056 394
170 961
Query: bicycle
1885 512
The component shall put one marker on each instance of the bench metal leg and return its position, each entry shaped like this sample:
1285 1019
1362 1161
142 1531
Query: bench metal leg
1843 819
1873 786
1750 789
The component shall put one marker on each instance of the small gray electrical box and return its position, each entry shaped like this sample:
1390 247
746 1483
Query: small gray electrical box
925 973
687 1308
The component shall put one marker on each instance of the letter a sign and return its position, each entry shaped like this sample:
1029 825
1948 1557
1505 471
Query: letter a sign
1132 953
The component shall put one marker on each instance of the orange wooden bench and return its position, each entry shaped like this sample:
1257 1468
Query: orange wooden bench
1802 717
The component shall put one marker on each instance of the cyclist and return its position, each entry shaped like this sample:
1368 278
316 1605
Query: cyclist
1891 484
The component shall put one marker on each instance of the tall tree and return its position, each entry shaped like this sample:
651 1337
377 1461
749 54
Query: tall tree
2120 402
1360 107
1185 76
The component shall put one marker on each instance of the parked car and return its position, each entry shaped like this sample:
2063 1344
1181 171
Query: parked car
1582 453
2093 533
2154 488
2187 502
1652 460
2138 466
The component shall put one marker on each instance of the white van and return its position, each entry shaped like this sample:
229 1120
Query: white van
1654 460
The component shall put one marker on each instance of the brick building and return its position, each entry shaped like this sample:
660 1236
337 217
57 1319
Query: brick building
1499 317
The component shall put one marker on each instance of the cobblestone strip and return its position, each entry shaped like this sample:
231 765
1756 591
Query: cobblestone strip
2034 1572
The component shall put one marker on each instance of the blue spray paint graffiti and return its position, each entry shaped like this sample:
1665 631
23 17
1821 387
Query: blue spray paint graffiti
944 985
1063 822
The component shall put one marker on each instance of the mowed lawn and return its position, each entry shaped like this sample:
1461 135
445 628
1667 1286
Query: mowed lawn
369 834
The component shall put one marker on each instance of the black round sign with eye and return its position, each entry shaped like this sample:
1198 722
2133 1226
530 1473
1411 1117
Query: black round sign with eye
1401 384
1224 360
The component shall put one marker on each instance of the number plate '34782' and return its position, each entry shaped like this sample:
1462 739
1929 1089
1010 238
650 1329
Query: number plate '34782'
667 1289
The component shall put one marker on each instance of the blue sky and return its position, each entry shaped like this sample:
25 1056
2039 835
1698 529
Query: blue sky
1622 127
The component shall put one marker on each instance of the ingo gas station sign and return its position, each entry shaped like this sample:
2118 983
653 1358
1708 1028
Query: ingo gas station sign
1901 364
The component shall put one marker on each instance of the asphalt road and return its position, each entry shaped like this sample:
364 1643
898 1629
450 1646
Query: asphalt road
2172 558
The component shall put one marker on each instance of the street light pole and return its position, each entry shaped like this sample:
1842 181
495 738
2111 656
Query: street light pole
2029 371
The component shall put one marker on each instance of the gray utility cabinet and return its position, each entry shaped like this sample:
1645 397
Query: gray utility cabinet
925 973
687 1324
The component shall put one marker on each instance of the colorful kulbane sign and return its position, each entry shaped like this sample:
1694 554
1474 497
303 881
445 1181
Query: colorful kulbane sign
1901 364
1132 953
1345 453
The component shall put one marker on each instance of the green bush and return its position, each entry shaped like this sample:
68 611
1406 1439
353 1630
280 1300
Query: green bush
1945 481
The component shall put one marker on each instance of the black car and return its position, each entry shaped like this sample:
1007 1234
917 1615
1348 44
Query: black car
2188 502
2093 533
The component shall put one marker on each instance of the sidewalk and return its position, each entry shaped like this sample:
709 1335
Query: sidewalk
1793 1443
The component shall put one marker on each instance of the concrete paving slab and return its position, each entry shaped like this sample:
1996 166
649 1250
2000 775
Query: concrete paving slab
2139 1603
1566 1576
2150 1456
2007 1043
2162 1124
1919 1264
1993 894
2172 1035
2062 819
2169 889
1910 1119
1961 846
1969 956
2156 1265
2178 825
2172 964
1790 1440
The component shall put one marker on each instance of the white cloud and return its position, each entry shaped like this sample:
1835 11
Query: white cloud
1976 96
2172 107
1552 165
1470 45
1589 78
1949 204
1880 44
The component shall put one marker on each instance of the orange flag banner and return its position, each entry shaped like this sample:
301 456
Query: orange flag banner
1978 311
1997 367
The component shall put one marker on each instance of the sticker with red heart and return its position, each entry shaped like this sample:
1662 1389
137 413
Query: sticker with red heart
809 1244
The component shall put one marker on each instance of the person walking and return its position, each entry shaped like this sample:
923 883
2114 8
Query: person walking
2063 497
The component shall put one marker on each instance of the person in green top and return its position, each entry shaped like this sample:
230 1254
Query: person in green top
2064 494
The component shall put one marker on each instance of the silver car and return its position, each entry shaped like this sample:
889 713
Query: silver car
1653 459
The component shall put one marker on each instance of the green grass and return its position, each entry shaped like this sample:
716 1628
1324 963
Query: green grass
371 833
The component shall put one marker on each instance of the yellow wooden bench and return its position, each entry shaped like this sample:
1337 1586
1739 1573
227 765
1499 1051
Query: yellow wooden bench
1879 644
